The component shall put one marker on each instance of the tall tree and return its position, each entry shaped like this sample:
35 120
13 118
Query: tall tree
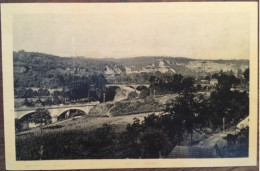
187 111
41 116
246 74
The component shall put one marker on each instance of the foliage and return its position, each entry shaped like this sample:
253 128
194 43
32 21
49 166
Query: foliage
111 92
48 71
237 145
41 116
132 95
144 93
146 139
28 103
79 89
189 110
234 106
28 93
171 84
226 80
246 74
72 144
136 106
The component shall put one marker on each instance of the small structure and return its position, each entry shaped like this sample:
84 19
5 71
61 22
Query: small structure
214 81
244 123
204 81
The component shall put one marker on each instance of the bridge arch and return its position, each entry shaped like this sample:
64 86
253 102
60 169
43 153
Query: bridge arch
25 114
72 112
27 121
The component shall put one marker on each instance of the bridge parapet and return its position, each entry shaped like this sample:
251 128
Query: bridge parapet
55 112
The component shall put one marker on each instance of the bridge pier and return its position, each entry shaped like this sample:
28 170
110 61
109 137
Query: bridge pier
54 118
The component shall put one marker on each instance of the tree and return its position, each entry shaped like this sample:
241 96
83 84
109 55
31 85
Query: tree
239 73
21 92
236 145
40 92
144 93
147 139
28 103
111 92
79 89
152 80
154 143
186 111
132 95
187 84
46 92
56 93
29 93
18 125
176 82
41 116
246 74
198 87
233 106
225 81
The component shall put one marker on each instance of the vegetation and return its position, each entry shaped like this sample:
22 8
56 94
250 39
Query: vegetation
153 137
136 106
44 71
237 145
42 79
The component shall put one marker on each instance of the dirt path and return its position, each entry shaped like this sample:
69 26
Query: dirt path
108 112
215 138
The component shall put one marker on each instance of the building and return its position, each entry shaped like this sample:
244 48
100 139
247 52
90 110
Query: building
214 82
204 81
244 123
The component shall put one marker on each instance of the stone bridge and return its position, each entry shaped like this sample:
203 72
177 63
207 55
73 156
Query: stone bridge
55 111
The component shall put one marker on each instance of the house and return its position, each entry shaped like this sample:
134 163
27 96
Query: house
244 123
204 81
214 82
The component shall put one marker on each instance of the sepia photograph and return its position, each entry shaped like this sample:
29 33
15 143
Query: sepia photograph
160 81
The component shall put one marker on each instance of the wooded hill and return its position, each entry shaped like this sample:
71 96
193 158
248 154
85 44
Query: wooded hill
32 69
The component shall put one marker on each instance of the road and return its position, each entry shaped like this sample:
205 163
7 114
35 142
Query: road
215 138
204 149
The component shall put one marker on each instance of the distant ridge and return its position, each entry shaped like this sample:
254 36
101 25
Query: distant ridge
34 69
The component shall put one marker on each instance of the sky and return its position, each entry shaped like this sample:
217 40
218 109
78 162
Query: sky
128 33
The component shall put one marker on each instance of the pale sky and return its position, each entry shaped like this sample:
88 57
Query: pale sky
204 35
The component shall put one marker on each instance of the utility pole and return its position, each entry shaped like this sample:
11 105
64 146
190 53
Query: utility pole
104 97
223 124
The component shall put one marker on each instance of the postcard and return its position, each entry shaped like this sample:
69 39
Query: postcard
130 85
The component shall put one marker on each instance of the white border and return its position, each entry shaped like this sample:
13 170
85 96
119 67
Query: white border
8 10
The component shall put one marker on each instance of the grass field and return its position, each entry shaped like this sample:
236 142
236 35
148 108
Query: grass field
74 138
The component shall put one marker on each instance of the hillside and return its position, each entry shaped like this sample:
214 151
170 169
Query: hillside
180 65
42 70
32 69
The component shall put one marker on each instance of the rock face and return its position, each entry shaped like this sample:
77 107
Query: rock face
112 70
182 66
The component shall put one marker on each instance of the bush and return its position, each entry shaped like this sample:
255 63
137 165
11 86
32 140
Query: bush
144 93
132 95
154 143
95 144
237 145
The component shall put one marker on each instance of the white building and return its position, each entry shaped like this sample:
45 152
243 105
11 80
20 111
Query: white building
214 81
244 123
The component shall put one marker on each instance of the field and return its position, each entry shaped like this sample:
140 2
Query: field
80 137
